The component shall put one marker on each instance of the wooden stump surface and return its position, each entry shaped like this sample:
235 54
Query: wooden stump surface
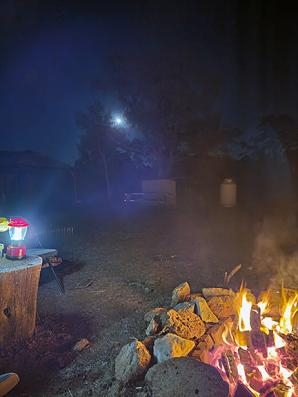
18 298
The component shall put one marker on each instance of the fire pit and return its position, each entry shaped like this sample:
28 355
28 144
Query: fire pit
251 341
258 350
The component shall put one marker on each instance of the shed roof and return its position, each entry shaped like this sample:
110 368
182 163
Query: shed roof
29 158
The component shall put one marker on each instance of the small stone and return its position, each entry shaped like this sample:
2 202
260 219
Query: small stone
180 294
185 376
153 328
170 346
185 324
132 361
204 311
188 306
154 312
222 306
81 345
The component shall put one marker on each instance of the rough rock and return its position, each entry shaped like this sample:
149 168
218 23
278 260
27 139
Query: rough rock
210 292
195 295
153 328
185 376
203 310
81 345
153 313
180 294
132 361
201 351
185 324
148 342
170 346
190 306
222 306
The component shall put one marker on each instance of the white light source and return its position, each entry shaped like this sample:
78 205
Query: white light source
118 121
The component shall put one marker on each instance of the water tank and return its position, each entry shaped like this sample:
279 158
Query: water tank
228 193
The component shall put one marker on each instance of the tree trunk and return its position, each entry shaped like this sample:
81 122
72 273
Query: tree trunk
106 174
293 161
18 296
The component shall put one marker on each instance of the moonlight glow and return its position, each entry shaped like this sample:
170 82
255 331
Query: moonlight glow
118 121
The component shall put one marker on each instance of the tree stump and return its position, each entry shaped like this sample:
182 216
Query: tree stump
18 298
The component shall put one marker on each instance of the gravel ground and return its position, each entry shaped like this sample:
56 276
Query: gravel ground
131 262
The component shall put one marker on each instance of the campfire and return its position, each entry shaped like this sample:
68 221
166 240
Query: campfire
258 350
251 341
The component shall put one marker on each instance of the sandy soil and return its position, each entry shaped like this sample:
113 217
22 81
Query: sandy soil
130 262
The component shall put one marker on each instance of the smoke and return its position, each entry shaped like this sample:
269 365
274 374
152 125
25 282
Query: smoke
275 254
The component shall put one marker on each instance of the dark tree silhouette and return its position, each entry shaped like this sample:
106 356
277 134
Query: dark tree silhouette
165 100
95 143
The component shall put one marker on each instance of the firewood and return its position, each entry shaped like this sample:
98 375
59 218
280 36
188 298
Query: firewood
242 391
294 377
256 382
245 357
255 318
270 339
230 367
271 368
258 341
291 344
279 390
267 387
228 276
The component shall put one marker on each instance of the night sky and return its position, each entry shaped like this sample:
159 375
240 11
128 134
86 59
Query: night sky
52 52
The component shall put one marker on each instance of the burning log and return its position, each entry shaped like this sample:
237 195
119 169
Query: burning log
229 365
277 390
245 357
257 337
292 345
255 318
258 341
294 377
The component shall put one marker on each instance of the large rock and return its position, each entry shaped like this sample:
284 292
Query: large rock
170 346
204 311
132 361
185 306
210 292
180 294
222 306
153 328
185 376
154 314
185 324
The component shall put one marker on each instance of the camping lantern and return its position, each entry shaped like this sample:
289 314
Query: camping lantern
17 232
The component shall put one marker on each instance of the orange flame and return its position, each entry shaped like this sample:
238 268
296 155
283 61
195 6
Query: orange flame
288 310
243 309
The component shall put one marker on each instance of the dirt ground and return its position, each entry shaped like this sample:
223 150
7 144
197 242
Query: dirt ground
120 268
